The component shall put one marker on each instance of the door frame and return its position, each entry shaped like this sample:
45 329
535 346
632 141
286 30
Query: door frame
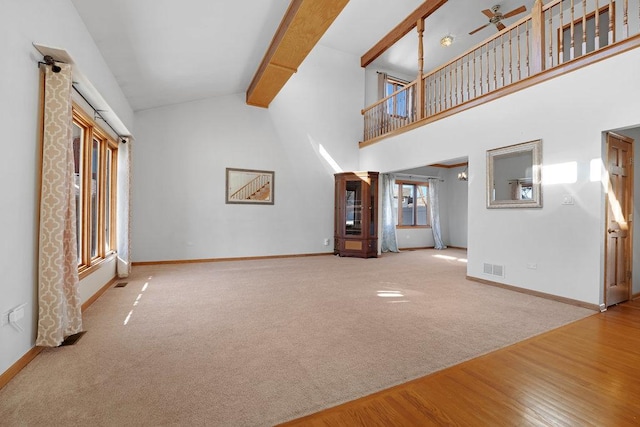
630 191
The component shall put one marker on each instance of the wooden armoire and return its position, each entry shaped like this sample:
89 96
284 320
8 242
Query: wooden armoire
356 214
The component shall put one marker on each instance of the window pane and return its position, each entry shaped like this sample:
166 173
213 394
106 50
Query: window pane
401 104
107 202
421 205
408 204
354 208
95 163
78 136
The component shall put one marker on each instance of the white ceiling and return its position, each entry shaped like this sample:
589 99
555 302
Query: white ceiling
166 51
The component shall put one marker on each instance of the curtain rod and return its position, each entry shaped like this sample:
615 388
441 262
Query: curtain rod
49 60
418 176
97 113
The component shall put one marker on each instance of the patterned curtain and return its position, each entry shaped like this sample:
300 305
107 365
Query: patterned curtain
59 306
389 216
434 211
123 265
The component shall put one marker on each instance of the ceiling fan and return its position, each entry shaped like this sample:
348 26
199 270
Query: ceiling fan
495 16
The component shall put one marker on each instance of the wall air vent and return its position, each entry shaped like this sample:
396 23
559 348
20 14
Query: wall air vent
494 269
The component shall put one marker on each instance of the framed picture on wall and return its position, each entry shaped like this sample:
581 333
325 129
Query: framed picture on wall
249 186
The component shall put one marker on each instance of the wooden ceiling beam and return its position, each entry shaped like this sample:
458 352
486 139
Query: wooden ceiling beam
302 26
402 29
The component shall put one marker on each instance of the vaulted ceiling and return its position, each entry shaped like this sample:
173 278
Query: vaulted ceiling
166 52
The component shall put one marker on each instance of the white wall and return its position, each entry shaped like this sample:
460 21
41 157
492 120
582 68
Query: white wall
181 152
53 23
565 242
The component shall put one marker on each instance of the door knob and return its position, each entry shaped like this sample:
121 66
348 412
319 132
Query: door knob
611 230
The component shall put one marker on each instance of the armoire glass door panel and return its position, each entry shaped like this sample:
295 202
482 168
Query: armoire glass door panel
353 217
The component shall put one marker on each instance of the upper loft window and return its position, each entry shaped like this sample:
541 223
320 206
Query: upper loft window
605 17
399 105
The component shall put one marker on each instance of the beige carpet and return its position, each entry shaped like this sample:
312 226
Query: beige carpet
261 342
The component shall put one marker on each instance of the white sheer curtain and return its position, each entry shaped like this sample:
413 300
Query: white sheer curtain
59 305
434 211
389 215
123 265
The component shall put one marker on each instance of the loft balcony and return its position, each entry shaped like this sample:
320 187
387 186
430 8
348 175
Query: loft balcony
554 39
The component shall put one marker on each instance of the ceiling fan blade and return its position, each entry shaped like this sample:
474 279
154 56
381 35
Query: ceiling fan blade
488 13
514 12
500 26
478 29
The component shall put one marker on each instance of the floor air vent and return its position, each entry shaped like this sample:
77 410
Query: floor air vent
121 284
72 339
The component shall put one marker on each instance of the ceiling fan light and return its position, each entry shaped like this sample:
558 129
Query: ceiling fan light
446 40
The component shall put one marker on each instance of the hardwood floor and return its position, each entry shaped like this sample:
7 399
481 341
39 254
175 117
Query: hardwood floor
586 373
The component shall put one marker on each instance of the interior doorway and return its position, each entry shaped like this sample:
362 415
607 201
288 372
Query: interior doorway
618 263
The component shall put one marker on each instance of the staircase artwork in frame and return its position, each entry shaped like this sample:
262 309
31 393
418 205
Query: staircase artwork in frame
249 186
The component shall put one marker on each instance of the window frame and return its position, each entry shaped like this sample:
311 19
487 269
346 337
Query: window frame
106 145
392 104
564 33
415 184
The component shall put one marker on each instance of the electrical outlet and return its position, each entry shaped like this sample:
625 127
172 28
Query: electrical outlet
326 242
532 266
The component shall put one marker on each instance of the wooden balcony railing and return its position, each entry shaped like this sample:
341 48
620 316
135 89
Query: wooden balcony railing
553 35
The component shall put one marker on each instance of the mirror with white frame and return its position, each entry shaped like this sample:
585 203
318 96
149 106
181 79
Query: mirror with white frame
513 176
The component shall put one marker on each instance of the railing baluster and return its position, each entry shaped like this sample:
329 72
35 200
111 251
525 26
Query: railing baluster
584 27
469 77
439 82
519 59
481 73
561 42
572 45
429 96
527 51
495 66
488 67
625 20
474 74
434 100
450 87
510 59
551 36
610 34
455 83
502 59
461 86
596 40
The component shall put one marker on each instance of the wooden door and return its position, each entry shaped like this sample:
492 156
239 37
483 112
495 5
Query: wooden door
618 240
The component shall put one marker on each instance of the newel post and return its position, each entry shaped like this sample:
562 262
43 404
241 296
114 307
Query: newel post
420 113
537 28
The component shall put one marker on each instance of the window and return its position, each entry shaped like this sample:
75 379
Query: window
590 33
400 104
410 198
95 161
